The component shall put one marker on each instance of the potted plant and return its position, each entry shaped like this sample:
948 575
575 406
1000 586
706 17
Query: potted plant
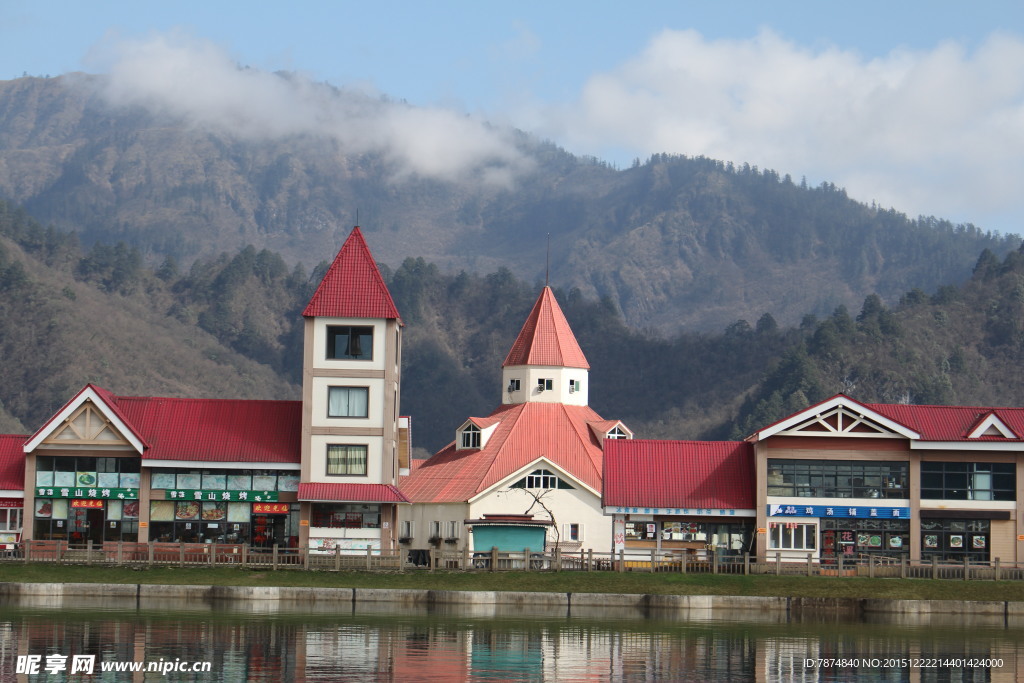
405 540
434 541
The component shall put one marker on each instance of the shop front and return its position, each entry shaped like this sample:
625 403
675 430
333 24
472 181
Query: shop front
831 532
694 532
255 507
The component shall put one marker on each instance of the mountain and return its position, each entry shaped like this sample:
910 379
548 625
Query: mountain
674 244
231 326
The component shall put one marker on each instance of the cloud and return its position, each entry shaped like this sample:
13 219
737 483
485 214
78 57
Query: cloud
197 81
931 132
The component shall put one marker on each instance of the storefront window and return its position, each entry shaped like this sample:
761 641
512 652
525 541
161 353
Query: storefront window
10 519
837 479
62 471
257 524
345 516
956 539
224 479
853 537
792 536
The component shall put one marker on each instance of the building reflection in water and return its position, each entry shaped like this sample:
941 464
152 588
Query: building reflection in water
320 643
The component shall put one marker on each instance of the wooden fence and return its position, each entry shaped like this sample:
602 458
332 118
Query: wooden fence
432 559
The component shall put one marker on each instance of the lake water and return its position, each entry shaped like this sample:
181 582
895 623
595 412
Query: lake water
270 641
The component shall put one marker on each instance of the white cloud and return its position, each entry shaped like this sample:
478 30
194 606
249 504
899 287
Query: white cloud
198 82
935 132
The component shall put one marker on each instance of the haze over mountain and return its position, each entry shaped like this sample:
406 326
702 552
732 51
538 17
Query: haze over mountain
280 163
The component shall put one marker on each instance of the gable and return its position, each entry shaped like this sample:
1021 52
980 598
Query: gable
839 416
992 427
88 419
86 426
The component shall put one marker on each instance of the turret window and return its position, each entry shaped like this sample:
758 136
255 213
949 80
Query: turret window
575 385
471 437
349 342
545 384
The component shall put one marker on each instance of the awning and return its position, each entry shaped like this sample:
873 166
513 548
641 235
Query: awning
350 493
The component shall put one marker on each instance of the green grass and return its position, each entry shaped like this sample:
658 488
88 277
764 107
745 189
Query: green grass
563 582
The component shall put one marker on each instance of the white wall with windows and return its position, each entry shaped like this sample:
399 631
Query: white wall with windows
540 493
541 384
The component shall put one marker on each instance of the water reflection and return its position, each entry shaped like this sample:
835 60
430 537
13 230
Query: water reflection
271 641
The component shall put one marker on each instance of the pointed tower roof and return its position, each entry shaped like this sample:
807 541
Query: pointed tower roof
546 338
353 286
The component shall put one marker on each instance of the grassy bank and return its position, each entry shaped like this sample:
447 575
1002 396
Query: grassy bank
564 582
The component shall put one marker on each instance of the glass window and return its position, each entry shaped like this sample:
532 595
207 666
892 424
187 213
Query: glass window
349 342
968 480
345 515
347 401
471 437
837 479
792 536
345 459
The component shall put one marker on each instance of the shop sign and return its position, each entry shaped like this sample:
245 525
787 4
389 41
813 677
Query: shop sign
858 511
715 512
87 503
231 496
271 508
98 493
11 502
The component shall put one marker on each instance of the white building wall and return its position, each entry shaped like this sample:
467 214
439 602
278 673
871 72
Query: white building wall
528 376
569 506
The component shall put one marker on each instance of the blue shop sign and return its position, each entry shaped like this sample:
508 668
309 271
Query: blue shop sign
859 511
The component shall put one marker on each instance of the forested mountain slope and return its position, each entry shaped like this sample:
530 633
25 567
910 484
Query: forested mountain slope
674 244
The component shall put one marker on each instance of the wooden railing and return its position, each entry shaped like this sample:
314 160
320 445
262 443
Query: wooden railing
434 559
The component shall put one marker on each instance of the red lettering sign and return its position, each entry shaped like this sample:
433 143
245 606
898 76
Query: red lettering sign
11 502
271 508
84 503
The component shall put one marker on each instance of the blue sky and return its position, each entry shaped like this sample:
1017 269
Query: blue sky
915 105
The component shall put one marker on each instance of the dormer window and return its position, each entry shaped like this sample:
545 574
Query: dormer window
617 433
471 437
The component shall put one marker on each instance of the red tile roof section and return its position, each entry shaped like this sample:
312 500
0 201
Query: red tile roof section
351 493
546 338
353 286
679 474
525 432
224 430
951 423
12 462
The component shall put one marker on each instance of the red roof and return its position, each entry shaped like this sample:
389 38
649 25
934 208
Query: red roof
679 474
352 286
546 338
351 493
226 430
524 433
951 423
12 462
932 423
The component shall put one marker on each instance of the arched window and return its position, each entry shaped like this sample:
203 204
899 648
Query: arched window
541 479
